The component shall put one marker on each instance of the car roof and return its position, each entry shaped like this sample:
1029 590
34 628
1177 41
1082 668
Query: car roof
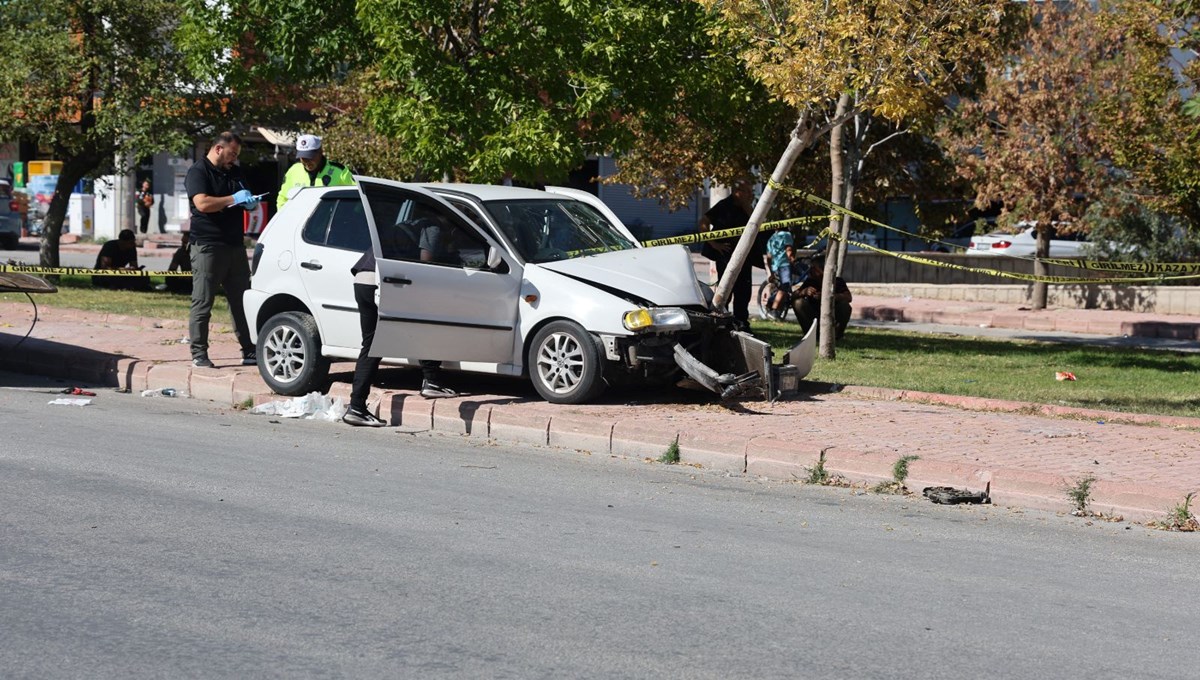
483 192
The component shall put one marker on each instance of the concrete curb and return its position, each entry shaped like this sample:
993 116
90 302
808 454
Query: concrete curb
515 421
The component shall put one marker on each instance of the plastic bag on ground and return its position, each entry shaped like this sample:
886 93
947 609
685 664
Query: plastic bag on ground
312 406
69 402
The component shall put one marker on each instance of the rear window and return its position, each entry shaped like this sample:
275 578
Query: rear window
339 223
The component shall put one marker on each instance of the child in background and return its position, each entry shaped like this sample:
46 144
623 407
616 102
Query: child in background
781 251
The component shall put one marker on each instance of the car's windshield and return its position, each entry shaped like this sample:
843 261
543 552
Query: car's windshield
544 230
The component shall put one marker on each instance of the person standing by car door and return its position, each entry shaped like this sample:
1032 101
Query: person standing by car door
218 200
365 284
312 169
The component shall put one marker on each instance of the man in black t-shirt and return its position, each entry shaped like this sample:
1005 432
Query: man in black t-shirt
120 253
218 199
732 211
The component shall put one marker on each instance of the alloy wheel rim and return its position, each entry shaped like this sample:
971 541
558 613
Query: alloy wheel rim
560 363
284 355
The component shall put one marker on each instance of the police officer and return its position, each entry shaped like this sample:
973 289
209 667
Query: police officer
312 169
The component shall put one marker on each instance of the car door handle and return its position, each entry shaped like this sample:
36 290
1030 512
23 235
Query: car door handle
315 266
396 280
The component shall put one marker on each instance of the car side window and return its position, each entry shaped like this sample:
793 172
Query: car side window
348 229
317 226
413 230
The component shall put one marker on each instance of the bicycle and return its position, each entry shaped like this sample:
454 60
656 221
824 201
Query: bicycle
768 288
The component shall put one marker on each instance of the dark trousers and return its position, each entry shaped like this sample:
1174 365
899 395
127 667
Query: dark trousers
212 266
808 312
742 290
144 216
365 367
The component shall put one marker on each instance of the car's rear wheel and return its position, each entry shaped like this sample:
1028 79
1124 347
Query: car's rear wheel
289 354
565 363
9 241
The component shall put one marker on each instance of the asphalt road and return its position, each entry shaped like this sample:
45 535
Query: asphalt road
167 538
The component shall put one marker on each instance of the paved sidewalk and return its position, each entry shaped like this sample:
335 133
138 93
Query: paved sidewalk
1142 469
996 315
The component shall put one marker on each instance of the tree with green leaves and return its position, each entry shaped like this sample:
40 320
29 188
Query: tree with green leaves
341 119
485 89
1075 116
892 57
98 83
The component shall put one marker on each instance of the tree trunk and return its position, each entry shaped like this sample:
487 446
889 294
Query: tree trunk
837 167
854 165
72 171
802 138
1040 268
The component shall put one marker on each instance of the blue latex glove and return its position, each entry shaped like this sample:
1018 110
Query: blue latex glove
243 197
252 204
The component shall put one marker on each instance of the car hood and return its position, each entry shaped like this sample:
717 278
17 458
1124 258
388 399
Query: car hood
659 276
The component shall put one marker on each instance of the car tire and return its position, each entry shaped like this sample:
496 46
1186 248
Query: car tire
564 363
766 291
289 354
9 241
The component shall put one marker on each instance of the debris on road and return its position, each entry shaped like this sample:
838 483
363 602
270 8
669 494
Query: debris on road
62 401
312 406
948 495
77 391
164 392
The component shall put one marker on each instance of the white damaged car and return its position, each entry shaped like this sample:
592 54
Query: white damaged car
504 280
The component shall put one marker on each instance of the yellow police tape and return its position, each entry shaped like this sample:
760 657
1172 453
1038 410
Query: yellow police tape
1033 278
686 239
718 234
1130 267
82 271
1183 270
817 200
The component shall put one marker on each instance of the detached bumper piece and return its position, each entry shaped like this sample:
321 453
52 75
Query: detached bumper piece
749 369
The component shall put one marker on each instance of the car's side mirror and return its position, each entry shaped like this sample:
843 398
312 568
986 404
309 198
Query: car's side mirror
494 261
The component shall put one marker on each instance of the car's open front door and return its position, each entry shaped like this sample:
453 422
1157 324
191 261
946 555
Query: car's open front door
438 299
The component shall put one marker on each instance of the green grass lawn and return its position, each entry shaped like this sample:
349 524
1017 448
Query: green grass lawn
77 292
1127 380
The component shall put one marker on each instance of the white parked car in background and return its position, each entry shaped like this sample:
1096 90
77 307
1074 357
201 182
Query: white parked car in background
1024 243
545 284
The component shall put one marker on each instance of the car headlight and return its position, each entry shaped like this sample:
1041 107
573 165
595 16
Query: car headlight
657 319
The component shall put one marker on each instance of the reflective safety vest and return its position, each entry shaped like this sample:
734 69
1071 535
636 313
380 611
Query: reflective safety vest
331 174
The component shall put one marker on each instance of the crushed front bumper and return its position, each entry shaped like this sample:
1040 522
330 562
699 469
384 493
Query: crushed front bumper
747 367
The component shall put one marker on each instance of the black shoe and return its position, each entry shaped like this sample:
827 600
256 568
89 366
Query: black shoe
249 359
203 361
359 418
430 390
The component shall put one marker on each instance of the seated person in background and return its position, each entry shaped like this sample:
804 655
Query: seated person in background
780 251
181 261
808 299
120 253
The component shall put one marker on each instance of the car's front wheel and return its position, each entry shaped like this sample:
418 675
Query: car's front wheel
289 354
564 363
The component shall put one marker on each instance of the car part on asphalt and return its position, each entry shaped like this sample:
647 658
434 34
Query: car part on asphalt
948 495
